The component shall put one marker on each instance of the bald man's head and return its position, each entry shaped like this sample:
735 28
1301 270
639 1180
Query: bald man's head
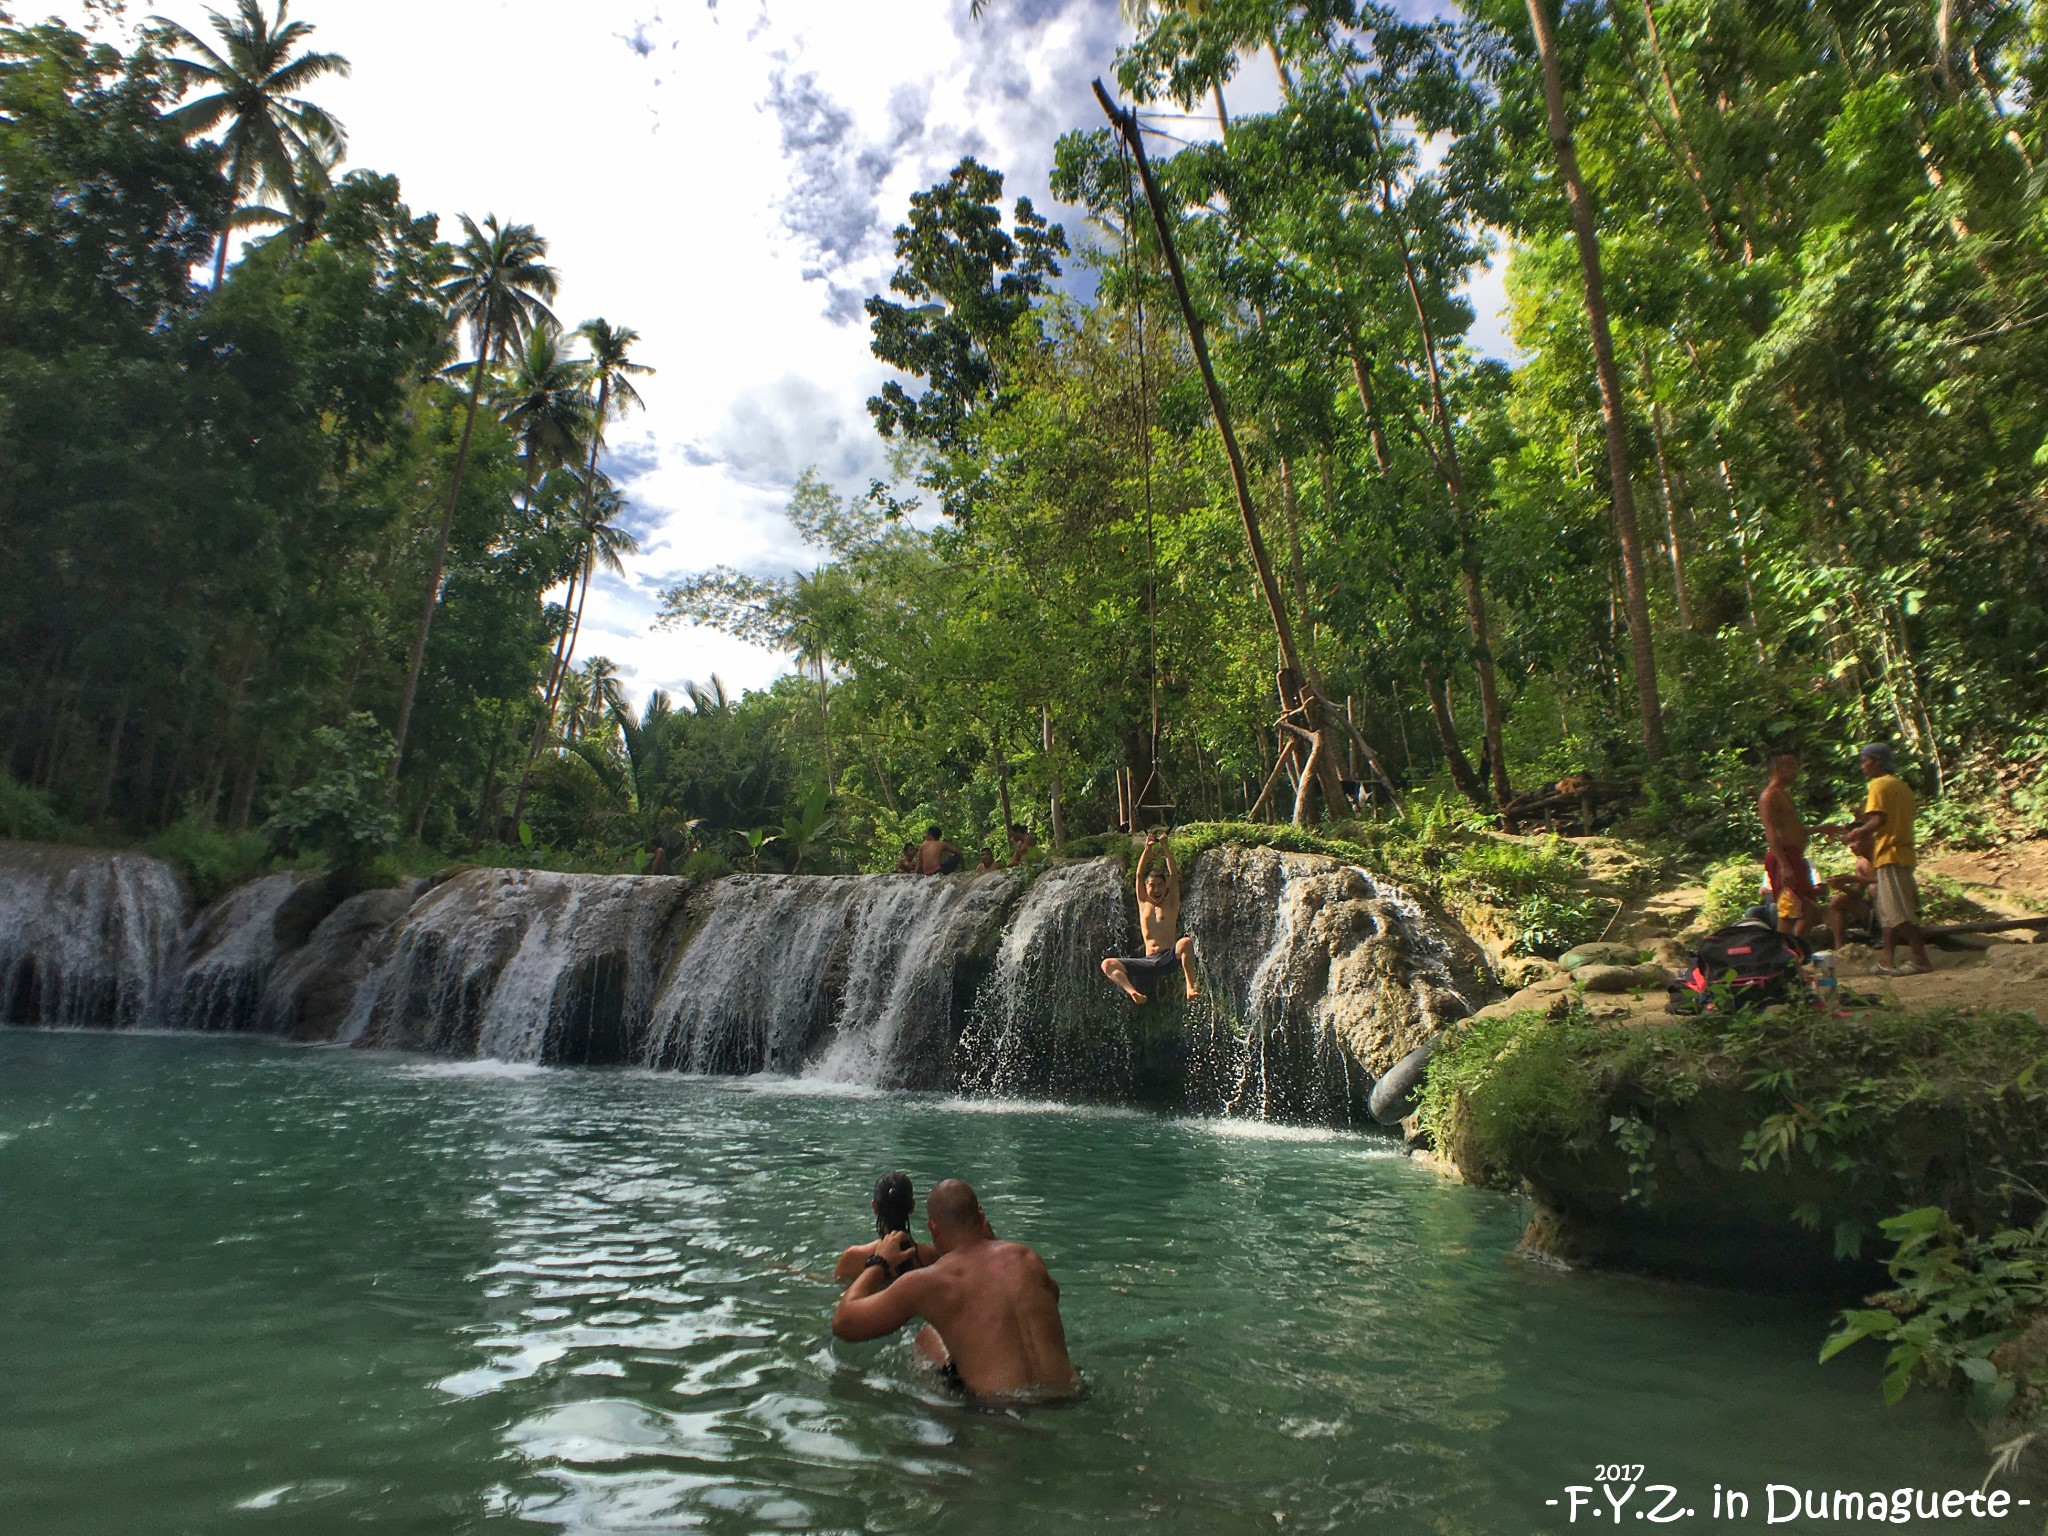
952 1207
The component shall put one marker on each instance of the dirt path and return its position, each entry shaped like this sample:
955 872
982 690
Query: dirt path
1659 919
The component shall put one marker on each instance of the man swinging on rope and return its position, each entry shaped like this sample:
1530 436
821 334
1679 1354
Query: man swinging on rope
1159 922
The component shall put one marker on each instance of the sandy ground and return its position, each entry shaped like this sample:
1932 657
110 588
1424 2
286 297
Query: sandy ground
1998 972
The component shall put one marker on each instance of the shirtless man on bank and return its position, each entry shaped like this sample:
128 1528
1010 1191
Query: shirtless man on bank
993 1308
1785 838
1166 949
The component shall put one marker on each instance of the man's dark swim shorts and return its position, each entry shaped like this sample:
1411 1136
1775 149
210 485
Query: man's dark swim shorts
1148 971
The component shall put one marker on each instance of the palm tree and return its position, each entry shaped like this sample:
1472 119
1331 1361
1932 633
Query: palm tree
499 287
605 547
301 212
547 402
271 131
614 373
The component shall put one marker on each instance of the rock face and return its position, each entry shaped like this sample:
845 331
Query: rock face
86 938
1310 947
226 958
310 995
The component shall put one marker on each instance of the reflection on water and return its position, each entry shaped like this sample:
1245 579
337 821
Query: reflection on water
306 1289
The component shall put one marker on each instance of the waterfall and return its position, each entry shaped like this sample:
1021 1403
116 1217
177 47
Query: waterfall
1048 1022
1322 977
847 978
1316 976
523 965
312 992
86 939
228 954
904 975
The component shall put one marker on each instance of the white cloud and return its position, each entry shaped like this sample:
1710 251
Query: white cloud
723 177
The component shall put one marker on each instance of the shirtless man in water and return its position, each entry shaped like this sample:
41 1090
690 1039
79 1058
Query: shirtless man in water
995 1304
1166 949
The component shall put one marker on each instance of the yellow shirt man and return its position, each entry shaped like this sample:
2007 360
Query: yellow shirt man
1892 843
1887 820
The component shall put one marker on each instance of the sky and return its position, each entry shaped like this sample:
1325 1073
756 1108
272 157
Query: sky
724 177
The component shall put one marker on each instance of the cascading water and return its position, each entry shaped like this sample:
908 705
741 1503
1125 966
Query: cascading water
524 965
1323 977
1047 1022
1316 977
910 939
86 939
847 978
228 954
753 991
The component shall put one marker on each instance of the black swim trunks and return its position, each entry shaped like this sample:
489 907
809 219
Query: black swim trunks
1148 971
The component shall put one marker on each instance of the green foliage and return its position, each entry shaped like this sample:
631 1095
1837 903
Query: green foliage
211 861
1839 1109
1732 887
1503 1089
28 814
343 811
1955 1298
1549 925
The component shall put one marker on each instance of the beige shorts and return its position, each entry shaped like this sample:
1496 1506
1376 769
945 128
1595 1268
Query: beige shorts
1896 895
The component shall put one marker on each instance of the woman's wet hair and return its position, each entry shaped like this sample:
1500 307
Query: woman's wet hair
894 1199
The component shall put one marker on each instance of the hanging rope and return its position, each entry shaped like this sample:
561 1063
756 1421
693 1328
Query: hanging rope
1155 782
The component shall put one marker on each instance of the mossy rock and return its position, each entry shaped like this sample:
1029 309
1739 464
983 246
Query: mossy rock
1598 954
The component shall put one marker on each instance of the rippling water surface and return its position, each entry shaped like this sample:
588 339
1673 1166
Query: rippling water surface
247 1288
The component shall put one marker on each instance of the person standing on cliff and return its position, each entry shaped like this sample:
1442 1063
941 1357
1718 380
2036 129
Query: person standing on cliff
1166 948
1785 837
1887 820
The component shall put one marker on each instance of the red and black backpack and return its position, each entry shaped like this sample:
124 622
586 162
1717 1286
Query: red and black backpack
1746 965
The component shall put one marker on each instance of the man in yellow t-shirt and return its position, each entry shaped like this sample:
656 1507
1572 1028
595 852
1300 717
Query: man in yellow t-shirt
1887 820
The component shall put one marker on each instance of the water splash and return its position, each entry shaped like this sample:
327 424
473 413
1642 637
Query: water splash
86 939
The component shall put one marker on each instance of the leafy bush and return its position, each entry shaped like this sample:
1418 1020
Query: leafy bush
1959 823
1549 925
1500 1087
27 814
344 811
1731 890
1498 869
706 864
211 861
1955 1299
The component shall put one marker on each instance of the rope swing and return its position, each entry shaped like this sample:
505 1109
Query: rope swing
1155 784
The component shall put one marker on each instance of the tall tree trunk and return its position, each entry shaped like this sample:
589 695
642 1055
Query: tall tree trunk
1297 571
1679 592
1462 773
1290 658
419 644
1612 406
825 720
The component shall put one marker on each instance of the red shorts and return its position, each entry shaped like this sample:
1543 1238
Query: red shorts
1791 882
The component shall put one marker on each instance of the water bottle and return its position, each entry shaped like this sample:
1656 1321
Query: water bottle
1825 987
